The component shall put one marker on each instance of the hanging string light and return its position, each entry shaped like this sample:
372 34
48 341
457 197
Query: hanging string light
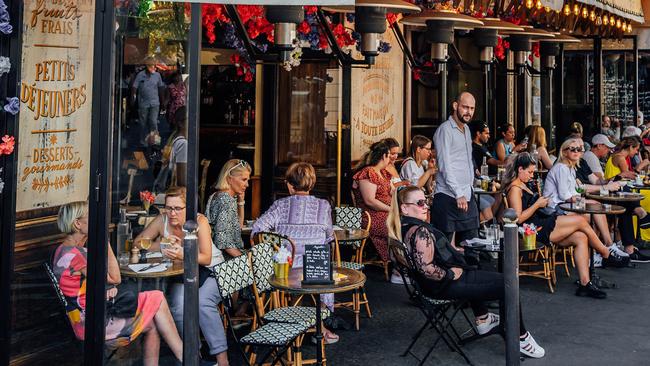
599 20
592 15
567 9
629 27
538 4
618 23
605 20
585 13
612 20
529 4
576 9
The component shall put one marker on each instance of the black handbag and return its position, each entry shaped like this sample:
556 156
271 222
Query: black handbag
125 303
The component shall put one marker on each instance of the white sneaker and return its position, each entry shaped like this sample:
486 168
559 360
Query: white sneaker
396 278
489 323
616 249
598 260
530 348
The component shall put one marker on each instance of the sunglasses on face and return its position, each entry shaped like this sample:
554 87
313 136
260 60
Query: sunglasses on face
575 149
420 203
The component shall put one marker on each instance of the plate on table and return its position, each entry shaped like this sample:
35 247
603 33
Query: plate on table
160 267
137 212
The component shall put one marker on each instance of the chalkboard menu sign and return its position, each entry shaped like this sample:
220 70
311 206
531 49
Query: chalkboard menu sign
317 265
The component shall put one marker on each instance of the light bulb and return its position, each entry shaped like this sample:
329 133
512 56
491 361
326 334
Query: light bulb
629 27
599 20
471 7
547 9
605 20
576 9
538 4
612 20
592 16
529 4
567 10
618 23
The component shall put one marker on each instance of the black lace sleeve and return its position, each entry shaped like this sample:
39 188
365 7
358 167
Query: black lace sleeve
422 245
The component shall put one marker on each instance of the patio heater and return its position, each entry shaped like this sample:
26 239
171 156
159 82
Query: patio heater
520 44
549 49
285 18
440 33
370 21
486 37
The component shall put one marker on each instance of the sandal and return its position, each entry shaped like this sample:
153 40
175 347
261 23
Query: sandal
328 338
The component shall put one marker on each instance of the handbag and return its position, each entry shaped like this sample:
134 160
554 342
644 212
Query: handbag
125 303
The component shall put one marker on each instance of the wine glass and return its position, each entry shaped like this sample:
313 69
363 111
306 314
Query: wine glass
145 243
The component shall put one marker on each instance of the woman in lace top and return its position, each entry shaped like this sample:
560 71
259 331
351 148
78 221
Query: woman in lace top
225 208
441 271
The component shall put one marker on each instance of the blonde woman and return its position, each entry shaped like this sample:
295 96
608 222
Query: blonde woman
225 208
447 276
152 317
169 225
537 139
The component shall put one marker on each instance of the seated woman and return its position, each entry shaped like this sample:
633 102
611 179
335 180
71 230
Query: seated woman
393 148
506 145
303 218
69 265
441 277
169 225
225 207
537 139
372 192
560 186
619 164
420 166
562 230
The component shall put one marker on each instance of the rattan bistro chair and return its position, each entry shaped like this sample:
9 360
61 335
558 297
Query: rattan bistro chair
234 275
350 218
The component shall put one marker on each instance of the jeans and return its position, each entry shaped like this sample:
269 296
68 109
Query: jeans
209 318
148 121
475 286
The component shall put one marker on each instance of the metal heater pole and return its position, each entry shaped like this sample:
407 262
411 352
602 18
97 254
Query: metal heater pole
442 94
191 342
511 279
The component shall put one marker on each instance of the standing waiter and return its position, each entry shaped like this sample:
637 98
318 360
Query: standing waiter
454 208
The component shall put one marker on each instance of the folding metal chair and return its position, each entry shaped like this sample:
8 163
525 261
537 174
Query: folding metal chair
434 310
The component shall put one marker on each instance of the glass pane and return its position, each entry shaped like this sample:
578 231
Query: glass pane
53 154
618 87
644 83
150 155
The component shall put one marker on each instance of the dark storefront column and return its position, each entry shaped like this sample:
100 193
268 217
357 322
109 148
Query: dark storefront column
100 158
346 138
635 82
598 78
11 47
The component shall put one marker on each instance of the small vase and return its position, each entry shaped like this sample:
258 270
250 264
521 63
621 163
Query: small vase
529 242
146 205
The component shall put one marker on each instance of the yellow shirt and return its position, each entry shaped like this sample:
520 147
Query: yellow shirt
611 170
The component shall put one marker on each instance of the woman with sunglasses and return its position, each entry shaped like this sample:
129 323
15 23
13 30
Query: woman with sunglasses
225 207
441 270
169 225
562 230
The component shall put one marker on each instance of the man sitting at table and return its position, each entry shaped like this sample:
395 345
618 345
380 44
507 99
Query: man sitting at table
169 225
480 136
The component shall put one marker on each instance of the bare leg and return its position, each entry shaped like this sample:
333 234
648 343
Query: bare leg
568 224
151 346
603 229
580 253
167 329
640 212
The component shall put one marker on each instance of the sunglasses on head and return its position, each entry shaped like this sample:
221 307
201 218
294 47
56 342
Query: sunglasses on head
575 149
241 163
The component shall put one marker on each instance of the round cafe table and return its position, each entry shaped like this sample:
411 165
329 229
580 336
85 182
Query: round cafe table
175 270
293 284
593 209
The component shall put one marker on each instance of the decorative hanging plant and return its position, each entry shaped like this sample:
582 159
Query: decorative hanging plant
534 51
501 48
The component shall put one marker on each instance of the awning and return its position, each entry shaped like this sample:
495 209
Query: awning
630 9
553 4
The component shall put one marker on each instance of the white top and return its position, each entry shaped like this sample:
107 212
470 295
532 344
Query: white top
560 184
411 171
217 256
455 166
593 162
179 150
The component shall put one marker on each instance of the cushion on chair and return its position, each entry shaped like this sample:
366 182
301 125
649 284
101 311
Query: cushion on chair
263 265
349 218
436 302
274 334
305 315
233 275
350 265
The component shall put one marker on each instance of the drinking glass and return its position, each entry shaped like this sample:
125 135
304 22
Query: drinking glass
145 243
123 259
165 243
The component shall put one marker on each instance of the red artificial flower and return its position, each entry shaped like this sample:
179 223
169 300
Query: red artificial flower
343 38
310 9
246 12
322 41
392 18
535 49
248 77
304 27
211 13
416 74
7 145
490 13
146 196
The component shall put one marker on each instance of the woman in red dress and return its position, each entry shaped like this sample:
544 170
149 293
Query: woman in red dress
373 192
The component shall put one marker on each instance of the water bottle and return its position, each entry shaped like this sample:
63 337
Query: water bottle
484 168
535 154
123 232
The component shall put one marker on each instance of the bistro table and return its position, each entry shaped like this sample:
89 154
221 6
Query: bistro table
593 209
344 235
293 284
175 270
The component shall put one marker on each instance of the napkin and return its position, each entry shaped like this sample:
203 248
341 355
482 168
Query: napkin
477 241
138 267
154 255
